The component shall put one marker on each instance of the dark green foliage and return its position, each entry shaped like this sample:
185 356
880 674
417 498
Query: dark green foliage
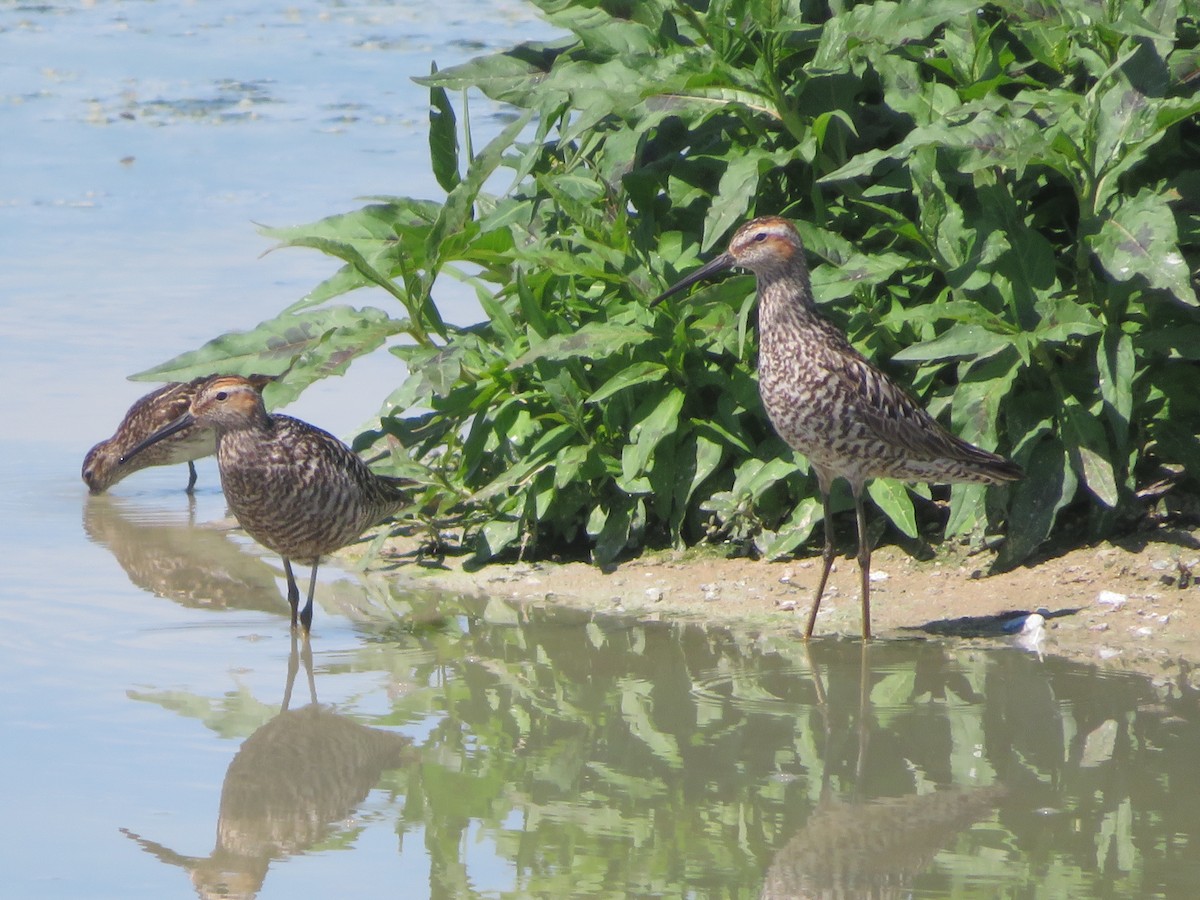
1001 200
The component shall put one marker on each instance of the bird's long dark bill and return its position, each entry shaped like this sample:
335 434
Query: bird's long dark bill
720 264
166 431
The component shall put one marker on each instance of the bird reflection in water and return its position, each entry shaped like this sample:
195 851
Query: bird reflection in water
287 789
870 848
194 565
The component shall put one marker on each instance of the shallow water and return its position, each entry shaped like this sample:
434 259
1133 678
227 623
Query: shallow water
462 746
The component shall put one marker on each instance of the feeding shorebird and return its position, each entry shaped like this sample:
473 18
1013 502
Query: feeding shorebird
109 461
294 488
829 403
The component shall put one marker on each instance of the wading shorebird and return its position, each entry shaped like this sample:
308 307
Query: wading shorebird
829 403
105 465
294 488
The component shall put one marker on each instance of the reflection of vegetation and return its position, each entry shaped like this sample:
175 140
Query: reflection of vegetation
235 714
875 847
642 758
563 755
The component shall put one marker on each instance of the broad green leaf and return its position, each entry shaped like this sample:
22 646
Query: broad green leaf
595 521
604 33
968 513
305 347
1139 238
739 185
793 532
566 396
423 315
344 280
614 536
497 536
431 375
1124 115
632 479
853 30
756 475
1116 364
1131 114
373 228
660 419
374 241
708 456
978 137
568 463
491 426
831 283
1089 446
956 342
508 77
498 316
443 137
965 311
982 389
1063 320
892 498
535 316
1049 485
544 494
592 341
631 376
716 99
909 91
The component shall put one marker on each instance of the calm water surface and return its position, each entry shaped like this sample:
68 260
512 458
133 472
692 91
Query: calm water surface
164 738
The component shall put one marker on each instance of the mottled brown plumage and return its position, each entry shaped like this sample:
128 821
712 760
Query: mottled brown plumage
828 402
294 488
103 466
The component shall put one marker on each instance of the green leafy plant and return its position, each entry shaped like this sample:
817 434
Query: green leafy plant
999 201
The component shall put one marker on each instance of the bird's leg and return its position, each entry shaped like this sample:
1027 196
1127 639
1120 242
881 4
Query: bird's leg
864 560
299 652
293 591
864 714
292 669
306 614
826 558
306 657
191 477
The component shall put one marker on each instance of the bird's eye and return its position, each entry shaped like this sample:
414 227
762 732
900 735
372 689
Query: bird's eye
222 395
760 237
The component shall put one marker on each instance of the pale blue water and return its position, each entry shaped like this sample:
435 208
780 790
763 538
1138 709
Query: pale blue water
144 650
136 236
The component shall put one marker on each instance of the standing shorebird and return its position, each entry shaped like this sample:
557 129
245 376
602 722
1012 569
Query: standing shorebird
294 488
110 461
829 403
